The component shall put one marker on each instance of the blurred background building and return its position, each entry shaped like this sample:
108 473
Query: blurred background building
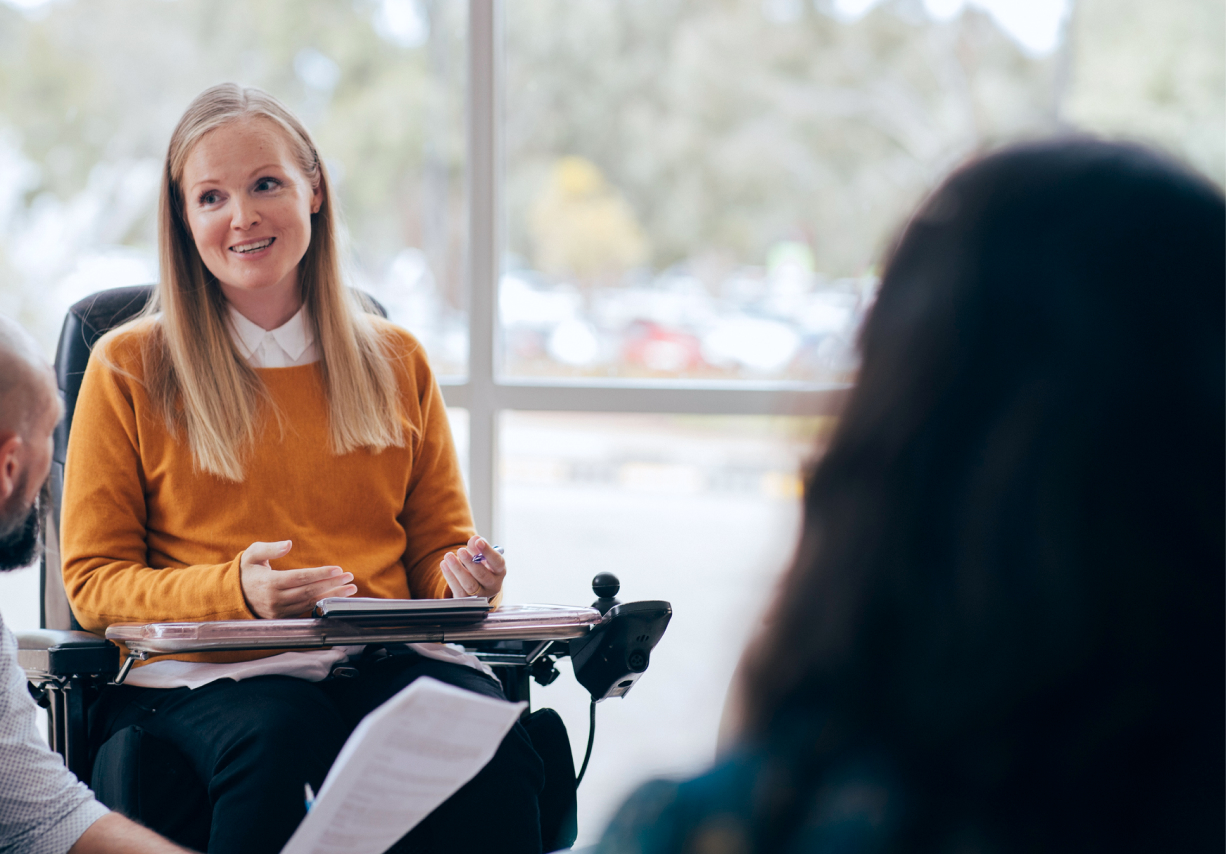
690 203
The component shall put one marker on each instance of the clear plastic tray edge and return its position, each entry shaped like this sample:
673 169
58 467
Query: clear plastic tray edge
508 622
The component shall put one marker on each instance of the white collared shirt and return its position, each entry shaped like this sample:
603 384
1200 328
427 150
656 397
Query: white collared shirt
287 346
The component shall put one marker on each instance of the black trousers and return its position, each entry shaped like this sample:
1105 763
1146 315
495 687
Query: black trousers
255 742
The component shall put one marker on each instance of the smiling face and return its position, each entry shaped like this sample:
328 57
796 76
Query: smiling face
249 206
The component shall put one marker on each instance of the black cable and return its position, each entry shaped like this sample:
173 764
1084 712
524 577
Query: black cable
592 730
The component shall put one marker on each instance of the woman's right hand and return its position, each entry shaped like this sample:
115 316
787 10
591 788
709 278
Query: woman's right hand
275 594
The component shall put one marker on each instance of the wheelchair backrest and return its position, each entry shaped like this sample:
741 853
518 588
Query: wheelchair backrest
86 322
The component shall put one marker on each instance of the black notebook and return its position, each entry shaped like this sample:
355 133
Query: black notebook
469 609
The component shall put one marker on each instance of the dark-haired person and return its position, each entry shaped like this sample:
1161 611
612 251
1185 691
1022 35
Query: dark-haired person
1003 629
44 809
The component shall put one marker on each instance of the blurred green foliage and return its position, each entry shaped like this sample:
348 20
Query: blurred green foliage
104 81
1153 72
720 129
728 131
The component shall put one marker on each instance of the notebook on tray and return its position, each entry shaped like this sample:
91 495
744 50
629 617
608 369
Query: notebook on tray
449 612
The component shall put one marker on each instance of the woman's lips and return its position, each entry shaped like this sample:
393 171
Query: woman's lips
252 246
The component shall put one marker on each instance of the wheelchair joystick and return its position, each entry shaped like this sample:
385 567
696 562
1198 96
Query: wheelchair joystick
615 653
605 585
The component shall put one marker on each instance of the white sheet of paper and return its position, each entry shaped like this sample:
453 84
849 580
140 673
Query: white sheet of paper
403 760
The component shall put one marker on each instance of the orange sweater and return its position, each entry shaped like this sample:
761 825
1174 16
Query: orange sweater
147 537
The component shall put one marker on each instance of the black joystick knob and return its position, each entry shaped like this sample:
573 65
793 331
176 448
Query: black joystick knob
605 585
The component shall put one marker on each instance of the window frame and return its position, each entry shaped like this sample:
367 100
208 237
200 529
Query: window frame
484 392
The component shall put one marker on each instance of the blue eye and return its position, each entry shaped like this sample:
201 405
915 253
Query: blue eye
208 197
267 184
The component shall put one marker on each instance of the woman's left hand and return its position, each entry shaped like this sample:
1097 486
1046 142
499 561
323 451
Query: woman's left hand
468 577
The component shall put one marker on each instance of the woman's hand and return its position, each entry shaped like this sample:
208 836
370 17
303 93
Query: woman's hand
467 577
275 594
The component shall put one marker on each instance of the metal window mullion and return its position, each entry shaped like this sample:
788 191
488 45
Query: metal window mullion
665 399
482 267
482 394
547 397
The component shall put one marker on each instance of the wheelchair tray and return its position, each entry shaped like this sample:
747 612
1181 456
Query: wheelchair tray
509 622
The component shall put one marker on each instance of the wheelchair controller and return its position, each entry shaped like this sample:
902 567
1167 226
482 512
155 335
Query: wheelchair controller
611 658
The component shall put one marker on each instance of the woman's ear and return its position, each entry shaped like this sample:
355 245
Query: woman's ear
317 197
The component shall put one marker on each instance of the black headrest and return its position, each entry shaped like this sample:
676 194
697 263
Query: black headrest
86 322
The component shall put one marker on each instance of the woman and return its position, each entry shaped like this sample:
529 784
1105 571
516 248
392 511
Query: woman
252 444
1004 626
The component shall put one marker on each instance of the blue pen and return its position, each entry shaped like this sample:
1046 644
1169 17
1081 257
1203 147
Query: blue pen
478 558
310 798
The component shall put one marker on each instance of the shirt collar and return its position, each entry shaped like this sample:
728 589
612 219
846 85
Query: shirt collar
294 336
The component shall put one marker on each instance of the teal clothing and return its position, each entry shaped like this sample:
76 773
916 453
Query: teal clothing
745 805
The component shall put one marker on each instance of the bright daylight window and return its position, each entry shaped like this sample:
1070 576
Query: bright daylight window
703 189
92 91
665 268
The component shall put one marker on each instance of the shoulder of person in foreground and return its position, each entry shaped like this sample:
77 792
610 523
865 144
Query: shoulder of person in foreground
708 813
752 803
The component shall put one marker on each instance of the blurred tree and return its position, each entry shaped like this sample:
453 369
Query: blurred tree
729 129
90 92
1152 72
581 226
725 126
731 125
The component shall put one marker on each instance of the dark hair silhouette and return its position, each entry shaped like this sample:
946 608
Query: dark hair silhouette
1011 577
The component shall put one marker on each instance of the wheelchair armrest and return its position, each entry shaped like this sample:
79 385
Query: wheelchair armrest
615 652
50 653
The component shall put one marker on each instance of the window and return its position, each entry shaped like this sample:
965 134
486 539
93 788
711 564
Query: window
92 92
699 510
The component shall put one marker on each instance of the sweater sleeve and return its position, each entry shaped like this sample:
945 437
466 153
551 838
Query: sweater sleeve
105 559
436 515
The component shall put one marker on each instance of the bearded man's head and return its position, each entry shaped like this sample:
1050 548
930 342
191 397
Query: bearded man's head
29 410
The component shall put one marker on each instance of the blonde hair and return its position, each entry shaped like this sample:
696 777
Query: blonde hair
195 375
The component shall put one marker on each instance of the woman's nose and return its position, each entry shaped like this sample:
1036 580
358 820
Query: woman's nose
243 214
